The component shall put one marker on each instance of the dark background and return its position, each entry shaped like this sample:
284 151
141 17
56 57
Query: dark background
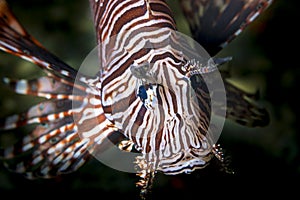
265 57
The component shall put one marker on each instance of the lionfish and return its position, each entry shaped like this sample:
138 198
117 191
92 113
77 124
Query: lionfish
141 100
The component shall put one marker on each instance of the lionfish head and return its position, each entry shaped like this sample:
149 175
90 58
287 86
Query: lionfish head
161 102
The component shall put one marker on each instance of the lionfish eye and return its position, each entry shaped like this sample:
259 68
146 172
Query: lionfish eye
147 94
142 93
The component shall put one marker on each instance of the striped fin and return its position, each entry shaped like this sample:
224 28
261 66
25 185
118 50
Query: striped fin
57 145
47 87
41 113
15 40
50 150
243 108
40 135
215 23
69 127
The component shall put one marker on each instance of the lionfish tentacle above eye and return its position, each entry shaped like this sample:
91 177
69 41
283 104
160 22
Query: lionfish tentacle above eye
55 145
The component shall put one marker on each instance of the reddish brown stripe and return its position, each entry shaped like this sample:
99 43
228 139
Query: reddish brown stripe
128 16
138 120
125 65
162 8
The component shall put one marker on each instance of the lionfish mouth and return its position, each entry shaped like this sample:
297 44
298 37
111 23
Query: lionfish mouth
186 161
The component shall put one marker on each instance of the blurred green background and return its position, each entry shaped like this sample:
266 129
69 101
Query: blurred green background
265 57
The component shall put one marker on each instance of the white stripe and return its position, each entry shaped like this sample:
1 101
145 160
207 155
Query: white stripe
22 86
64 72
57 159
43 63
59 146
11 48
65 166
62 129
238 32
103 135
42 139
60 96
61 115
116 15
37 159
51 117
50 150
95 101
34 120
27 147
95 130
47 96
90 113
27 58
254 16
